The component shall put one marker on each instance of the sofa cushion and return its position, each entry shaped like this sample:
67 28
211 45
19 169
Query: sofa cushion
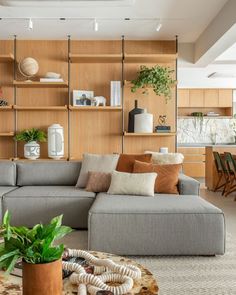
126 161
7 173
160 225
48 173
33 204
98 182
3 191
165 159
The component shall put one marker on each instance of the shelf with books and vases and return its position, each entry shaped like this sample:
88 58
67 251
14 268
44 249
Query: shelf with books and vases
154 134
95 108
40 108
38 84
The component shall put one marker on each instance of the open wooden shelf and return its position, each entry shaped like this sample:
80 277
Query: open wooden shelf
6 108
39 159
92 108
6 57
95 58
150 58
34 84
205 117
41 108
6 134
149 134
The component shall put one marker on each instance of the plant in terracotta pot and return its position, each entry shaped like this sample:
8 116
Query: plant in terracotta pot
160 79
31 137
42 263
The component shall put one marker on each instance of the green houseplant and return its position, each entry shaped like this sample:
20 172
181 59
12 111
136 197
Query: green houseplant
41 258
157 77
31 137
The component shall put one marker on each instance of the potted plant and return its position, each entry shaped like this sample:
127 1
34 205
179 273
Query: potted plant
157 77
31 137
41 259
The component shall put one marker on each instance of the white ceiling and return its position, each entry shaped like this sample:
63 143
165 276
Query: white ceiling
186 18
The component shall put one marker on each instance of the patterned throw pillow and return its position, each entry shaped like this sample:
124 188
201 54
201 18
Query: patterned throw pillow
98 182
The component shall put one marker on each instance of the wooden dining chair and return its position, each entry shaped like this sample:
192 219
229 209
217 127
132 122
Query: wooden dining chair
231 166
223 175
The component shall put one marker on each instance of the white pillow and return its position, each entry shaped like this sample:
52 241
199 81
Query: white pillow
97 163
165 159
123 183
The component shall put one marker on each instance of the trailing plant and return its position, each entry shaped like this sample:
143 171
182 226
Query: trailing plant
157 77
31 135
34 245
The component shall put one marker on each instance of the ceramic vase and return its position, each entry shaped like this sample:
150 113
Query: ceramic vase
143 123
42 279
32 150
55 141
132 114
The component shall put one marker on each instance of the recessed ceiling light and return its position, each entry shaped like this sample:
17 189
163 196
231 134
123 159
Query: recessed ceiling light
95 25
30 24
159 26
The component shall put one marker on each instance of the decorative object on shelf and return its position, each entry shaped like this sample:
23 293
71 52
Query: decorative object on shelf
82 97
31 137
143 123
105 270
212 114
162 128
132 113
99 101
3 102
157 77
115 99
52 75
163 150
51 80
197 114
55 141
28 67
38 262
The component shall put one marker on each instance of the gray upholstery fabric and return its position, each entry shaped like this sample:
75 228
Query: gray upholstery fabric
160 225
7 173
48 173
33 204
188 185
4 190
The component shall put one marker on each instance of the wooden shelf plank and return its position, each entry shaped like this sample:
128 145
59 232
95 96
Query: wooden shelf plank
205 117
92 108
37 84
149 134
6 134
150 58
95 58
41 108
6 57
39 159
6 108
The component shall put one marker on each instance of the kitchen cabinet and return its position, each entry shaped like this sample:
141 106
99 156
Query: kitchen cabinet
196 98
211 98
225 98
183 98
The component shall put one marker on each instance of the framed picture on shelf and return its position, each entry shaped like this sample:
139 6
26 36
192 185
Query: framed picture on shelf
82 97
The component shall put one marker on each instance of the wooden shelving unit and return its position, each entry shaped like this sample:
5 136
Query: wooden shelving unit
95 58
6 134
39 159
33 84
41 108
6 58
92 108
150 58
6 108
149 134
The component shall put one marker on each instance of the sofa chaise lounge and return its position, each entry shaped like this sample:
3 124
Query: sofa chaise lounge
130 225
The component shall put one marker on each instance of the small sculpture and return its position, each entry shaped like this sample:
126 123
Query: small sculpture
100 100
162 120
162 127
3 102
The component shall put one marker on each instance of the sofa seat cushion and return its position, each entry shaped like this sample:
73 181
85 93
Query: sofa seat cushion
159 225
3 191
33 204
7 173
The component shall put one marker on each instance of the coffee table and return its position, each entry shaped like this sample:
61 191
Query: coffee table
12 285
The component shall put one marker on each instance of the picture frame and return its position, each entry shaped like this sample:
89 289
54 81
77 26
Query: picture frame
82 97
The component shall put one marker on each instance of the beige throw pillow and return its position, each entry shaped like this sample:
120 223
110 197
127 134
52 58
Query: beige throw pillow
98 182
98 163
140 184
165 159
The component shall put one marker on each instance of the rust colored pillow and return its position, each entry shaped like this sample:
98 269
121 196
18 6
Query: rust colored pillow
98 182
126 161
167 176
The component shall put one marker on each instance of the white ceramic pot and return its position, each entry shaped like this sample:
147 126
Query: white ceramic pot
32 150
143 123
55 141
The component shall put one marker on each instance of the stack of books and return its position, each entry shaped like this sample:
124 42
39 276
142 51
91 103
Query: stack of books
52 80
162 129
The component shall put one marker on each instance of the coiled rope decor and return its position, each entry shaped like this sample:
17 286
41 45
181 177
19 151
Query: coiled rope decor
105 270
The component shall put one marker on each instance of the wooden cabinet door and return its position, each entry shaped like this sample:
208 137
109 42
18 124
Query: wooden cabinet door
196 98
225 98
183 98
211 98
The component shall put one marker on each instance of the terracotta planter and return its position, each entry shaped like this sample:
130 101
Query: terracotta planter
42 279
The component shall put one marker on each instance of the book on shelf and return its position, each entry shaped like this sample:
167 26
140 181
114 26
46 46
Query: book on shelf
52 80
115 99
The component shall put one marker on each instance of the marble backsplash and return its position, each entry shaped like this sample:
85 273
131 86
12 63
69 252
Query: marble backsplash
205 130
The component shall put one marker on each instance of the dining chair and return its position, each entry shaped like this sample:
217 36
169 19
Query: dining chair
222 172
231 166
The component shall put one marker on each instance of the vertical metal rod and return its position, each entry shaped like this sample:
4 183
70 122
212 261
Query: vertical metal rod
15 96
122 90
69 99
176 91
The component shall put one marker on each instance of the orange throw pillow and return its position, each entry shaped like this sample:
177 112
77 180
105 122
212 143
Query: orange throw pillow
126 161
167 176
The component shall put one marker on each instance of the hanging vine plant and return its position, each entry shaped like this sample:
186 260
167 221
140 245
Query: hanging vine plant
158 78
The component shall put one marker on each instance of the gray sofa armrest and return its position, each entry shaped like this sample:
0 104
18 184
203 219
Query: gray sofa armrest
188 185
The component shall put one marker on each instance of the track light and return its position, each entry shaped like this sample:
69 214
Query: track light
30 24
95 25
159 26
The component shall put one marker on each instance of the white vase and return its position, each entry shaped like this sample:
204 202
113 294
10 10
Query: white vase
143 123
32 150
55 141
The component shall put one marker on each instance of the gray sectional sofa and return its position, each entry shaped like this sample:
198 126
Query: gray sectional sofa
35 192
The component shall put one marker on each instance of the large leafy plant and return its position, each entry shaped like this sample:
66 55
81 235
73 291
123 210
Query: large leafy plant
31 135
157 77
34 245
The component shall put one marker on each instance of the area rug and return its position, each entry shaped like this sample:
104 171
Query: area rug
191 275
